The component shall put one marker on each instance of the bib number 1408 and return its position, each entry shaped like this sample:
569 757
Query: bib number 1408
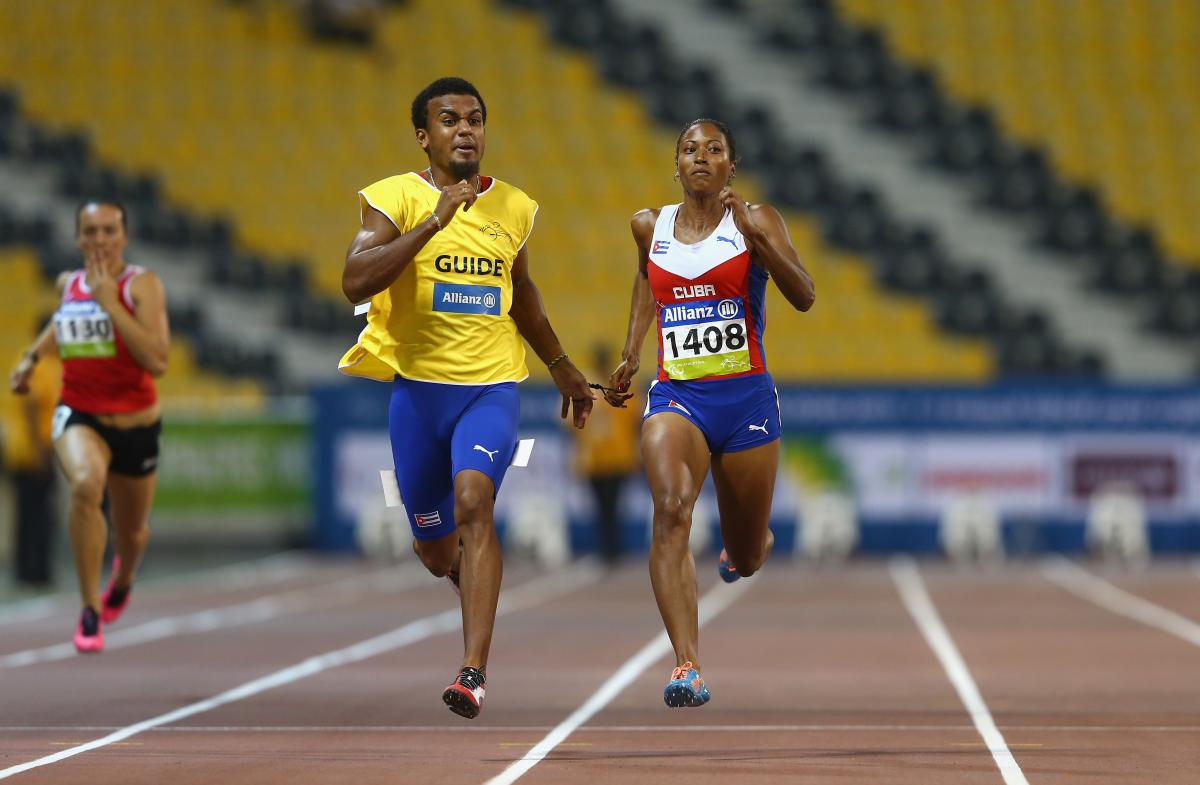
707 340
704 338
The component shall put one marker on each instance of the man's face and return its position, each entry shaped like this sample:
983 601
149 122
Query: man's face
454 136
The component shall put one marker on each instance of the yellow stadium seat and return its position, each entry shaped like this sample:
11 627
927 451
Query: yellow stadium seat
1091 80
240 113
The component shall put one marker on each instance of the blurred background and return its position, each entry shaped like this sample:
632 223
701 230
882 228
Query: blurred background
997 199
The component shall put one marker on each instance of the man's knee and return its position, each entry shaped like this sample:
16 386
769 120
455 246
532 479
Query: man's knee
437 556
473 505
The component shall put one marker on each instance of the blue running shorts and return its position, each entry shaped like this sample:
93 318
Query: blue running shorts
437 430
733 414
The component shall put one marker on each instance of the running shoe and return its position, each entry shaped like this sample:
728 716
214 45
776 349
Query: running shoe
685 688
725 568
114 600
465 695
88 637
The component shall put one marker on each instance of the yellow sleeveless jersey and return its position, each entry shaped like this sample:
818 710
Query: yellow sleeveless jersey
445 319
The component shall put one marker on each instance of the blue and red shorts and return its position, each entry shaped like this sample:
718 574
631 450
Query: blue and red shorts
437 431
733 414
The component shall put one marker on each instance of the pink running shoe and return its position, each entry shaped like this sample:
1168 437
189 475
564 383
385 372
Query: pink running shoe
114 600
88 637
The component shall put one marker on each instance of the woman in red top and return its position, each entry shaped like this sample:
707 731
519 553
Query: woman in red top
112 334
703 269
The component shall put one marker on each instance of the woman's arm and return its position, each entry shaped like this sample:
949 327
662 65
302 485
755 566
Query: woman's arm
641 309
771 246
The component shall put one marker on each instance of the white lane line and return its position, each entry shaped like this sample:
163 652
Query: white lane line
30 610
457 730
253 611
1098 591
528 595
916 599
274 568
716 600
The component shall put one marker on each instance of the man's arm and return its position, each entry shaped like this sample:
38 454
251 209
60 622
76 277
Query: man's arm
529 313
379 252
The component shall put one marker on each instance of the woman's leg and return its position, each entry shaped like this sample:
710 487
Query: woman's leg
745 483
129 500
676 458
84 457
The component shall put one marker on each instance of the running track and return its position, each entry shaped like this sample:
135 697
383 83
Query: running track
875 673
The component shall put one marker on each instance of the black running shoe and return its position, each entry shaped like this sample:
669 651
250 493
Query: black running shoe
465 695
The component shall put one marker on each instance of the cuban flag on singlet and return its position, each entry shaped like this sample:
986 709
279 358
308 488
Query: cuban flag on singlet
710 300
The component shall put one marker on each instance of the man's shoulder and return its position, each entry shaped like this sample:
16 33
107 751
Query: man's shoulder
509 193
394 183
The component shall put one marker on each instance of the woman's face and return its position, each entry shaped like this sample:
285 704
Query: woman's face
703 159
101 233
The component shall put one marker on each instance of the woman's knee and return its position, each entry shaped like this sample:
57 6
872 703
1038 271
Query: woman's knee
749 560
746 563
672 515
87 488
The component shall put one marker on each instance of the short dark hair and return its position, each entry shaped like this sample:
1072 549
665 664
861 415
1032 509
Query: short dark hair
110 203
447 85
724 129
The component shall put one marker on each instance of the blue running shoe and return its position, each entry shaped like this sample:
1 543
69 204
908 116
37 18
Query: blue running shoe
685 688
725 568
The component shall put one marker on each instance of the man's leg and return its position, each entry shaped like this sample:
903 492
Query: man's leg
482 566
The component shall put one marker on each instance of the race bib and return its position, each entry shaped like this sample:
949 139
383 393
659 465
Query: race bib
84 330
704 338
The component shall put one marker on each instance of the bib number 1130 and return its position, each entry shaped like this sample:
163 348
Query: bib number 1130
85 335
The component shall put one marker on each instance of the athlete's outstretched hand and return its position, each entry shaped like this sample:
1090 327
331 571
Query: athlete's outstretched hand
741 212
618 382
18 382
575 391
452 196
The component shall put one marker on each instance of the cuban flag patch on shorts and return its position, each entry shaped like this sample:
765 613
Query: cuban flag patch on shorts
427 518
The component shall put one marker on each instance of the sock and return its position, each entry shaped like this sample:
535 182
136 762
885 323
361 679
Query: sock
117 596
91 622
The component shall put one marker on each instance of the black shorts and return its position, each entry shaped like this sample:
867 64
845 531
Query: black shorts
134 450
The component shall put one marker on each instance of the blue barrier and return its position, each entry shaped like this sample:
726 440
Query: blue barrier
899 451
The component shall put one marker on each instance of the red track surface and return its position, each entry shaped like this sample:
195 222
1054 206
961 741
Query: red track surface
817 676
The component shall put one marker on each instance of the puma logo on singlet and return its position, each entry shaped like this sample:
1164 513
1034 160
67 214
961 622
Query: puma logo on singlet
762 427
491 454
721 239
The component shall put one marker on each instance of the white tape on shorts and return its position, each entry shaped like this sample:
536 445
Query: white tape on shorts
391 490
524 450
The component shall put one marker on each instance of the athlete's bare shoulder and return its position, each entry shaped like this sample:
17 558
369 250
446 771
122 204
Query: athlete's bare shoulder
764 213
642 223
60 283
